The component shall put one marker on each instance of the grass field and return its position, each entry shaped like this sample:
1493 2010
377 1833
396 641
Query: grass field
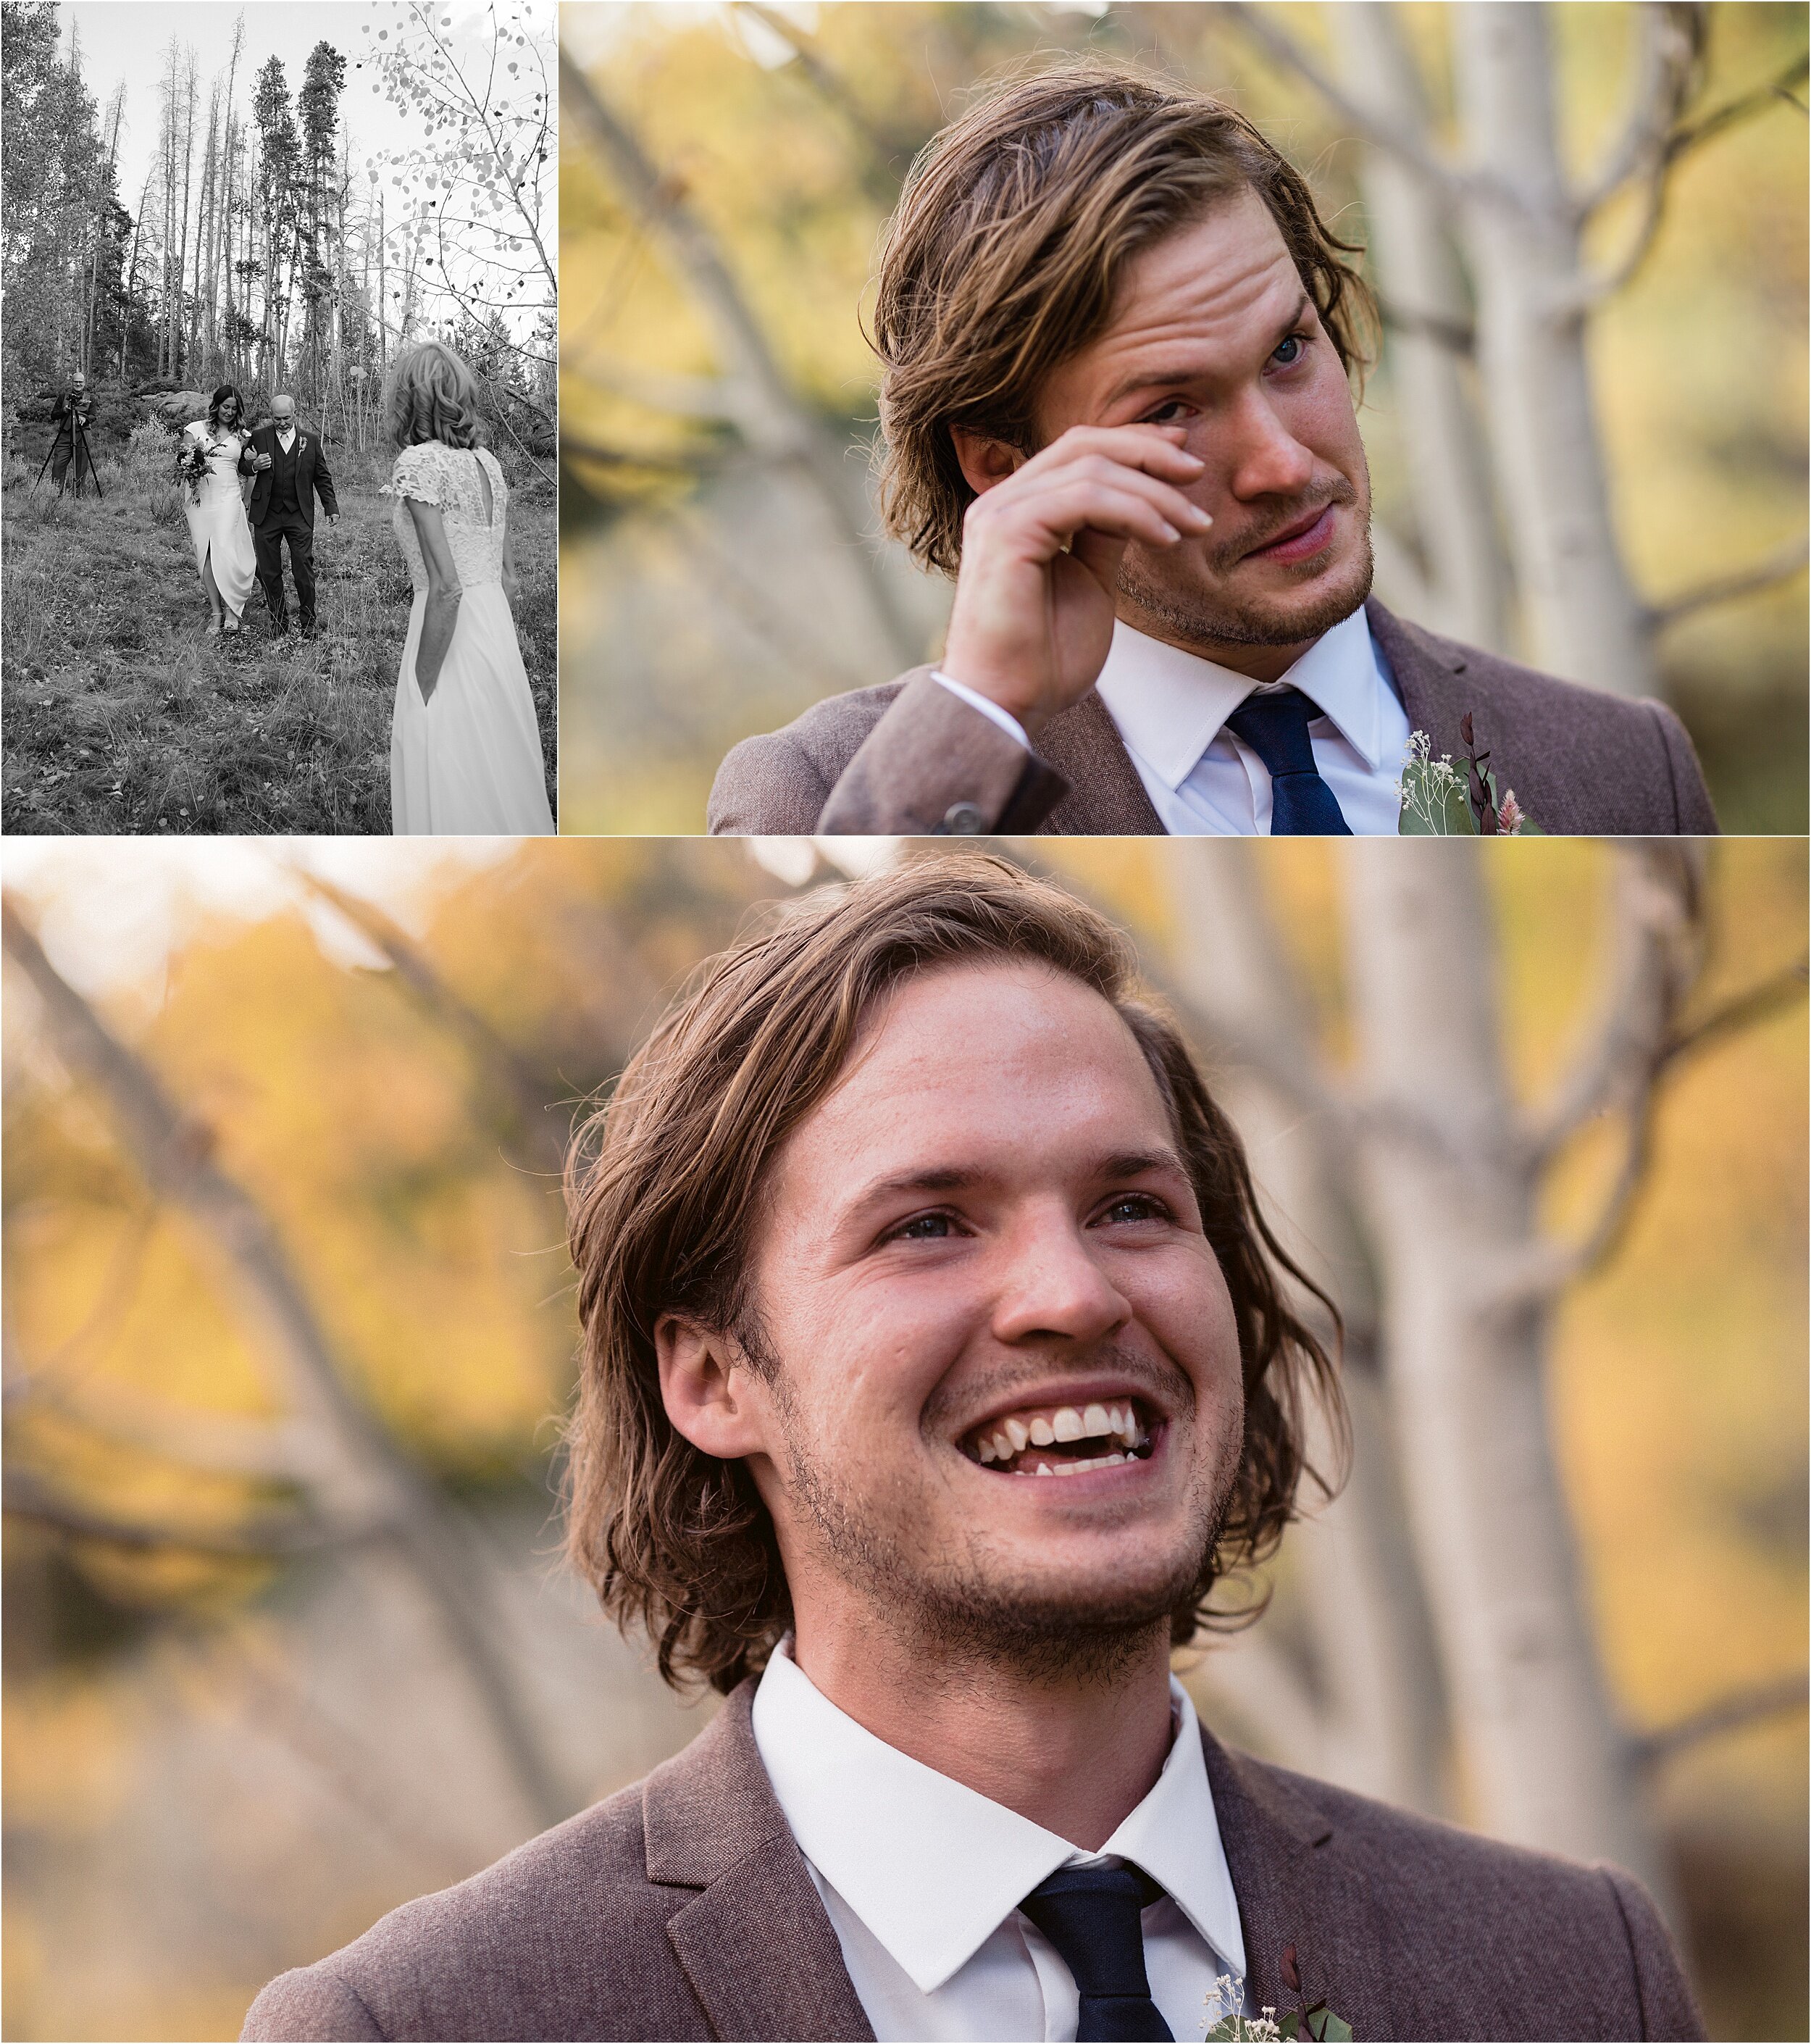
120 716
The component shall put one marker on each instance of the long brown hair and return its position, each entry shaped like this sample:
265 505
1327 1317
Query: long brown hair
661 1189
1009 244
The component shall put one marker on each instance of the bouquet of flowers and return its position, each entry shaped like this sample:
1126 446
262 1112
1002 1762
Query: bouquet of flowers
192 468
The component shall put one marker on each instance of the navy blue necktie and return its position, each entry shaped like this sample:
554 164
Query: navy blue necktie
1275 725
1091 1914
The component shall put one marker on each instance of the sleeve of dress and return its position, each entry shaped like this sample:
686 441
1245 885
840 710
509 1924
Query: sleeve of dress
416 475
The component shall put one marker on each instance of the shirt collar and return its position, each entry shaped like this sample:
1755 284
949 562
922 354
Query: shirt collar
1169 705
953 1865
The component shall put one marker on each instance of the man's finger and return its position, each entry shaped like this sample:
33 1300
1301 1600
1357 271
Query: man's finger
1157 449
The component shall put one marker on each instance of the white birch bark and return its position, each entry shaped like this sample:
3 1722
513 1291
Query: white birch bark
1380 1729
1544 1759
1418 277
1580 615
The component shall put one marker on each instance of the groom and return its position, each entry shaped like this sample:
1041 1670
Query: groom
291 468
1118 347
937 1367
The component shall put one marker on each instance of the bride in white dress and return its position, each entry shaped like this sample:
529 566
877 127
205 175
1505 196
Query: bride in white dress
465 749
218 529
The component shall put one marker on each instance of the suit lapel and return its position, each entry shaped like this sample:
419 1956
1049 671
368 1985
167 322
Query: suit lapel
1295 1887
1106 798
1426 671
754 1943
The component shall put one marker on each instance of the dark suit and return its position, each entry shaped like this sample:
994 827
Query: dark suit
72 415
282 509
682 1908
909 757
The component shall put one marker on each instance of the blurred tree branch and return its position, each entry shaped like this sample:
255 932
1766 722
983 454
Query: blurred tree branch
1736 1713
770 416
1780 566
26 1495
376 1485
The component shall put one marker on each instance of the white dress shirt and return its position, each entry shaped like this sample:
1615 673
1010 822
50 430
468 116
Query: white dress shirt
922 1876
1171 709
285 437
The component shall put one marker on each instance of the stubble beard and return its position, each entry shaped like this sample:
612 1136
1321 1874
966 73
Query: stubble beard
964 1607
1199 621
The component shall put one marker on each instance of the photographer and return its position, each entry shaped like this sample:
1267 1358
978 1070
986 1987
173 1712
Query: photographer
72 415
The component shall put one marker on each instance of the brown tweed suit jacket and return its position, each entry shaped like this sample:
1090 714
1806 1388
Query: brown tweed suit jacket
909 757
682 1908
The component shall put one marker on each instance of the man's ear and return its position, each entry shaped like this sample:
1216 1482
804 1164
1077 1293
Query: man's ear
710 1395
984 460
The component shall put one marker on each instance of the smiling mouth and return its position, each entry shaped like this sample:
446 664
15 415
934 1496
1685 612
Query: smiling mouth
1065 1440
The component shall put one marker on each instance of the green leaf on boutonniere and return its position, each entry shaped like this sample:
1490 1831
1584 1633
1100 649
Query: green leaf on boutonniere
1441 800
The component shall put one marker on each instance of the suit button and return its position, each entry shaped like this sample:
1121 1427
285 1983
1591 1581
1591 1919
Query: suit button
963 819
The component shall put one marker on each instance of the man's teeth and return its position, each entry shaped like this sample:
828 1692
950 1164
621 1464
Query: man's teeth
1074 1467
1011 1437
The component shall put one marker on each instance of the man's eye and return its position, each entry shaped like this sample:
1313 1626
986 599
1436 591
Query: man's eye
1136 1206
1168 413
1290 351
924 1228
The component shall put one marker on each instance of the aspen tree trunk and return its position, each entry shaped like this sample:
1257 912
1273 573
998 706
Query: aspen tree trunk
383 291
190 84
1544 1759
1382 1728
132 273
1581 617
1418 277
205 269
232 345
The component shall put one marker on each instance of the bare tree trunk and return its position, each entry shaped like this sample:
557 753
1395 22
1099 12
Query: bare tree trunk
376 1487
1418 277
203 318
1581 617
191 87
1380 1721
132 273
1450 1203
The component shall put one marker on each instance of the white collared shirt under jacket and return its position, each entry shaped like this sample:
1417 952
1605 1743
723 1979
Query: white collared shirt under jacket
1171 708
922 1876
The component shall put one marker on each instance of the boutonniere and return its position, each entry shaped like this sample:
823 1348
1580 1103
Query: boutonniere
1225 2001
1439 799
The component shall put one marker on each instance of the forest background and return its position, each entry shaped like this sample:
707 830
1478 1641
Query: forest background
283 220
289 1325
1587 441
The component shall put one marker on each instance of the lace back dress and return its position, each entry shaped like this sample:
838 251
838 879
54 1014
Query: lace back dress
216 512
468 761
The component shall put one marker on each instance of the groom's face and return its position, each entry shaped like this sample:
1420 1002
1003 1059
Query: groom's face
998 1393
1213 332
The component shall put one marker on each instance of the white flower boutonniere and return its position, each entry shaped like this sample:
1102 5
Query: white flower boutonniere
1441 800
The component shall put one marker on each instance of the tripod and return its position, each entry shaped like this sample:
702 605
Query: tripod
81 456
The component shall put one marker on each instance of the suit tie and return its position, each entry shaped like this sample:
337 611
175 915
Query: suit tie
1275 725
1091 1914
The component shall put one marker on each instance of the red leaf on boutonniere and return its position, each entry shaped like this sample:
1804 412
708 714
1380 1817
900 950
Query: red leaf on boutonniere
1483 810
1291 1972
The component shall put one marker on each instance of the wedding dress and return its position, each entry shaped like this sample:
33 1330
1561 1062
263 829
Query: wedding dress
468 761
217 523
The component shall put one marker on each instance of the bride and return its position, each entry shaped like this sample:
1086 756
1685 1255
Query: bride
465 748
218 530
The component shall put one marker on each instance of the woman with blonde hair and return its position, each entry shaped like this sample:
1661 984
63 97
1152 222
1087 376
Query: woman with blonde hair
465 748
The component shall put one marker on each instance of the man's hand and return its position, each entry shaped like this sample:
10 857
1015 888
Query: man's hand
333 517
263 461
1033 618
